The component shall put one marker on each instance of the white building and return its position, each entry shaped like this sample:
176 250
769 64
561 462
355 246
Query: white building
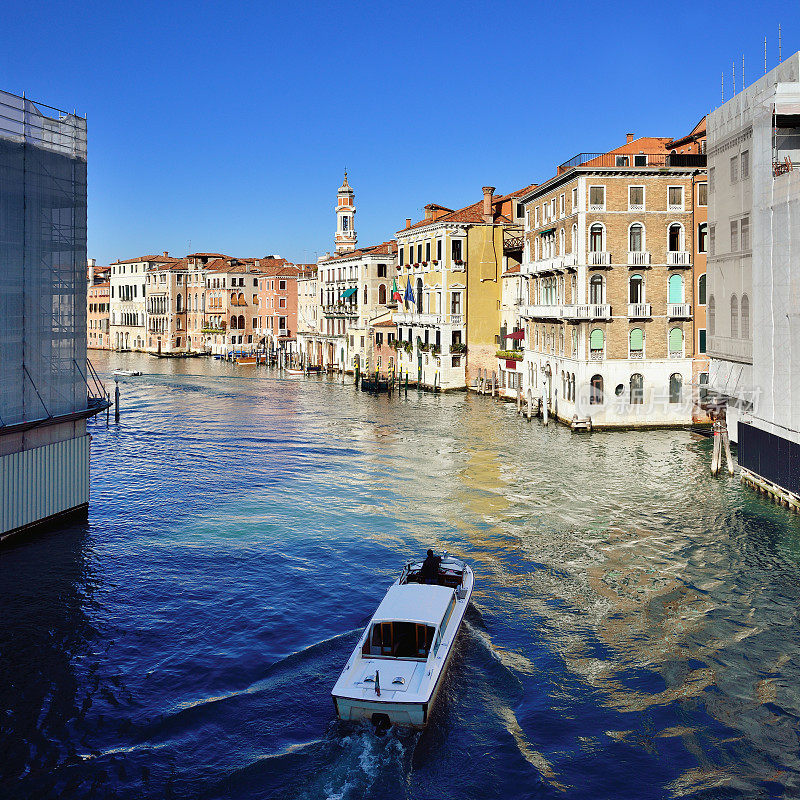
44 394
128 284
309 314
753 279
166 312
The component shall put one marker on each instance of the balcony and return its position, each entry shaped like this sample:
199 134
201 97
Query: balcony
592 311
639 258
679 258
628 160
340 310
596 355
599 258
679 310
541 311
639 311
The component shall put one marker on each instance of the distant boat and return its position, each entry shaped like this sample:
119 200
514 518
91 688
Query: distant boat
294 371
126 373
247 360
397 668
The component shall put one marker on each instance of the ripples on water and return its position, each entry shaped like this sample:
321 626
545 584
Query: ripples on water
633 632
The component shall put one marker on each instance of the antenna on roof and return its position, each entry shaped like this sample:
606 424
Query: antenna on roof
733 72
780 57
743 83
723 88
765 55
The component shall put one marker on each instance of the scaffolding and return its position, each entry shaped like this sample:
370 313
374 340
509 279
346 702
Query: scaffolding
43 258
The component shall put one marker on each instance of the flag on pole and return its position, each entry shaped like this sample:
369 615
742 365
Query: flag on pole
409 298
396 292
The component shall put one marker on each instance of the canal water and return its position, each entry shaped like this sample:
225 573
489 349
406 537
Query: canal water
633 633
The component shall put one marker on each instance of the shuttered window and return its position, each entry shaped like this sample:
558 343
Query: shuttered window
596 339
676 340
637 340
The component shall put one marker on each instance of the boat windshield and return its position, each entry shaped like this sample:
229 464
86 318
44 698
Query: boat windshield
399 640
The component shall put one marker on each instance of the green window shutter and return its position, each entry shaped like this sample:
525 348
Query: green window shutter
596 339
702 340
675 289
637 339
675 340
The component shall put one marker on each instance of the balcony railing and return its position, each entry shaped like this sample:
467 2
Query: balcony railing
599 258
592 311
596 355
679 258
340 310
639 258
636 354
639 310
634 160
675 353
541 311
679 310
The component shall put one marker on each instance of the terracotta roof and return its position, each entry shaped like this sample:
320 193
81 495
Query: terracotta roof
162 259
384 248
104 285
698 132
178 265
387 323
511 270
207 255
468 215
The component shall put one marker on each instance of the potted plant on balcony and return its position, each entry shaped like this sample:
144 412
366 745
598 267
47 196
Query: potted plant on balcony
458 347
424 346
407 347
510 355
436 349
424 263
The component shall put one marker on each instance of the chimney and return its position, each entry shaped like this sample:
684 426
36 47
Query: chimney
408 222
488 191
428 212
166 253
92 262
628 138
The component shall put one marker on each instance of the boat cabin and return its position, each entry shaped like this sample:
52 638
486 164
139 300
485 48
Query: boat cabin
409 621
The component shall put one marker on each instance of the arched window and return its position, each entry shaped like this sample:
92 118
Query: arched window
596 340
637 389
574 238
675 293
636 342
675 237
419 295
179 303
561 241
240 299
676 342
382 294
365 295
675 388
701 289
241 323
711 315
734 317
233 323
745 320
596 390
635 289
636 238
596 238
596 289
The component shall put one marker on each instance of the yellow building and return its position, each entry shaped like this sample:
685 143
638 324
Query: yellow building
448 272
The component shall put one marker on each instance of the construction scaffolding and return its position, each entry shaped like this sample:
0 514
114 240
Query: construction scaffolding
43 258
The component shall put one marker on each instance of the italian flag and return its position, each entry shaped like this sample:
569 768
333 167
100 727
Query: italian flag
396 292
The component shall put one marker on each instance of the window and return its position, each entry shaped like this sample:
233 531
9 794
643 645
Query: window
734 317
637 389
701 290
456 249
419 253
702 194
427 251
675 198
382 294
400 253
622 161
734 169
635 198
675 289
635 238
640 160
676 341
455 302
561 205
744 233
575 199
596 292
710 312
596 390
596 340
281 302
381 270
675 388
379 340
745 317
635 289
536 217
702 237
438 249
745 164
597 198
636 341
520 211
596 238
734 235
282 286
675 237
701 344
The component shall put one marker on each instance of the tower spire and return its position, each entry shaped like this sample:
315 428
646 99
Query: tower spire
345 237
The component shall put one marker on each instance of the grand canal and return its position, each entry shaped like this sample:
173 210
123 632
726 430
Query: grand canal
633 634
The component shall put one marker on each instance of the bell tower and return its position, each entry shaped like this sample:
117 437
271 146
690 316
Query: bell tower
345 218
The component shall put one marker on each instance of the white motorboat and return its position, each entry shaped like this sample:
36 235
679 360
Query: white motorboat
126 373
397 668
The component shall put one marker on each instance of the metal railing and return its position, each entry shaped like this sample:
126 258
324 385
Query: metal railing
634 160
639 258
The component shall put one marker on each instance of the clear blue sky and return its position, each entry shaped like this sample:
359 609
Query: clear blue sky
229 125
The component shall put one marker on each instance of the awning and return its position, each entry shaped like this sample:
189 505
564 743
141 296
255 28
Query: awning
517 335
349 293
545 232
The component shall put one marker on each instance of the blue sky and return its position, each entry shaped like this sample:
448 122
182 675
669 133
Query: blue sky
228 126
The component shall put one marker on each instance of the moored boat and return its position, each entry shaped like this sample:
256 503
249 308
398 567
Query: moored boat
293 371
396 670
247 361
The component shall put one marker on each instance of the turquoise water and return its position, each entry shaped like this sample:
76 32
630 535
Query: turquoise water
633 632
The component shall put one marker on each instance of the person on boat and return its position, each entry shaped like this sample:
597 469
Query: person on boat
430 568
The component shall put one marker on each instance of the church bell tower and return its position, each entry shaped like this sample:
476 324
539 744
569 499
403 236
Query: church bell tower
345 219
